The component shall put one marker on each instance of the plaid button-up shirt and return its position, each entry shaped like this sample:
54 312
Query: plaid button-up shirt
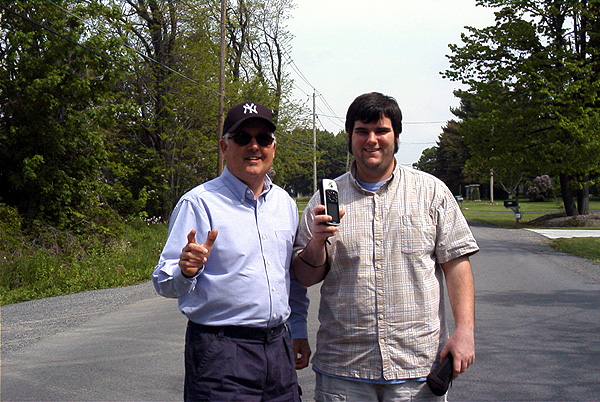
382 304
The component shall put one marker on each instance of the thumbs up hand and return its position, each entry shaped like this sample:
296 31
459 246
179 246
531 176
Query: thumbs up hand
194 255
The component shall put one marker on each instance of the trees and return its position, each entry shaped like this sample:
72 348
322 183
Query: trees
532 81
167 143
112 106
294 159
259 42
447 158
56 107
170 142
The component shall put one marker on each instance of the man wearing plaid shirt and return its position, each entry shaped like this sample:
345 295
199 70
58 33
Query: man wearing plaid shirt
382 315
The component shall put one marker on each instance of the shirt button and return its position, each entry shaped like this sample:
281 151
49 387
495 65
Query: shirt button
268 262
264 237
275 315
273 289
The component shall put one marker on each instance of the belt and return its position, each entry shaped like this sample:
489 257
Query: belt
249 333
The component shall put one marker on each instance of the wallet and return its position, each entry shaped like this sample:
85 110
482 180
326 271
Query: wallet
440 377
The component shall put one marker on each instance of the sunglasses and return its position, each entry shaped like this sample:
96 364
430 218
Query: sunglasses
264 140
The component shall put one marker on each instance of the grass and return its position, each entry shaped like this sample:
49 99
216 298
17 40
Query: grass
497 215
585 247
34 272
301 203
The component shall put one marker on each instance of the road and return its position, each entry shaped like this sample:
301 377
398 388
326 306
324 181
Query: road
538 325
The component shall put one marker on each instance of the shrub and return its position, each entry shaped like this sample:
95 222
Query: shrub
541 189
56 262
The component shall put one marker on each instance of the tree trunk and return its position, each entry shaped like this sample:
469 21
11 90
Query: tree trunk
567 196
583 199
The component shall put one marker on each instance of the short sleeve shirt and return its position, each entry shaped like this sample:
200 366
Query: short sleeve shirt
382 310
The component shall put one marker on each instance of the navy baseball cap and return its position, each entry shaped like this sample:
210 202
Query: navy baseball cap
244 111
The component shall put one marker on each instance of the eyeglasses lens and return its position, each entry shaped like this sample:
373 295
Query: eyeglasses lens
264 140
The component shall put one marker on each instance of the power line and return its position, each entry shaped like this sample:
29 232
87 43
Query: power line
290 61
331 115
424 122
301 75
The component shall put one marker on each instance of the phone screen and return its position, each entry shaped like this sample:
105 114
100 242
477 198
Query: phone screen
332 205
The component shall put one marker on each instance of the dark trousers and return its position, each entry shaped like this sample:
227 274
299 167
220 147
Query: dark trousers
224 364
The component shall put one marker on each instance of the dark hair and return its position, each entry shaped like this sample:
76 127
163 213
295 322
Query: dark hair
369 108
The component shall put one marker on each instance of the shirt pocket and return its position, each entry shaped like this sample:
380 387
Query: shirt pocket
417 235
285 242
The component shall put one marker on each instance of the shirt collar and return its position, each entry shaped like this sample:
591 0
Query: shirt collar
239 189
393 179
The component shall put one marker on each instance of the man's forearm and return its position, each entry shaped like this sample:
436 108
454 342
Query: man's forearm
461 292
310 265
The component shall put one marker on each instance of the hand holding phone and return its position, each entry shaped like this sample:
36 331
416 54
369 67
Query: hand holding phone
440 377
330 198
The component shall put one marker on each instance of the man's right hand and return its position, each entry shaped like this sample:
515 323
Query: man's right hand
194 255
310 265
321 231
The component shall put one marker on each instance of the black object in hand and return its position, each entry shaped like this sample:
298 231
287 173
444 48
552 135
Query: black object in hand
441 376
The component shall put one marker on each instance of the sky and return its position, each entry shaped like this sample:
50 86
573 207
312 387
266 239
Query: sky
344 48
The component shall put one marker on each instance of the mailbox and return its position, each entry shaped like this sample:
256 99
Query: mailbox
514 205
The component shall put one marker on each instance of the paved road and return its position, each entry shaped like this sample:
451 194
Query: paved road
538 322
538 325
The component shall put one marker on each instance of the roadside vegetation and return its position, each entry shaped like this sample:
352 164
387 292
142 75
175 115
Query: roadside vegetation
585 247
53 264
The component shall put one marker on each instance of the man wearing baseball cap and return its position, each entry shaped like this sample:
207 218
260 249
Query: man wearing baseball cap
227 260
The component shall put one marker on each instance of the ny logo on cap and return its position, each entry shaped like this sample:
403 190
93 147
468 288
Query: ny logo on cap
250 108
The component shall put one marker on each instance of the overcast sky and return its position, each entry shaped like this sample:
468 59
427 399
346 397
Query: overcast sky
344 48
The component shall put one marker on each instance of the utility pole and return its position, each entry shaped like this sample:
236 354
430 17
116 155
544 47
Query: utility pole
221 86
491 186
314 146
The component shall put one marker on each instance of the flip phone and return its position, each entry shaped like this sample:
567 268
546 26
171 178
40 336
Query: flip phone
329 198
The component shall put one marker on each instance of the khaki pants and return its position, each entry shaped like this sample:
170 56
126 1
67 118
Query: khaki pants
332 389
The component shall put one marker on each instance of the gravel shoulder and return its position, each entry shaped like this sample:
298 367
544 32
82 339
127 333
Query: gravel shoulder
22 324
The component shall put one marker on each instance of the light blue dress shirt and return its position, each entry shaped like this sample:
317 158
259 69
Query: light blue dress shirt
246 280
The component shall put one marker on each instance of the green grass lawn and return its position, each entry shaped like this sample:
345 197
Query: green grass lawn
497 215
585 247
34 273
301 203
